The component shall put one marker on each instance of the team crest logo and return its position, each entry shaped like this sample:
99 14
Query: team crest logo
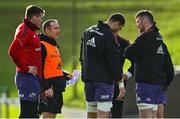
148 99
58 66
21 95
32 95
138 99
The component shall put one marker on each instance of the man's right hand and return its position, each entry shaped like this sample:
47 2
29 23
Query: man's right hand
49 92
68 77
32 70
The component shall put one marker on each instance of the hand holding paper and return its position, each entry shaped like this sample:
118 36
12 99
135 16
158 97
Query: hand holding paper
75 76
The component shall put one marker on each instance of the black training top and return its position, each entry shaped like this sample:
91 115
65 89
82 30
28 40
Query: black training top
152 60
99 55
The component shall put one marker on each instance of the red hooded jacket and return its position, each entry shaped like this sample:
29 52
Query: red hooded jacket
25 49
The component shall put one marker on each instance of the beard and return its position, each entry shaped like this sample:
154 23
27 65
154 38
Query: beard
141 29
113 30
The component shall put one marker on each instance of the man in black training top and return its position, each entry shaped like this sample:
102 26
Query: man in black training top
100 66
153 66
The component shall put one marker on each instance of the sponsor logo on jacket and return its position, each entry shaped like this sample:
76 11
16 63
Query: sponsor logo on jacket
91 42
38 49
160 50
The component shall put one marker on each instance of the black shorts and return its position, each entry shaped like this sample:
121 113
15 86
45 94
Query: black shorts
53 105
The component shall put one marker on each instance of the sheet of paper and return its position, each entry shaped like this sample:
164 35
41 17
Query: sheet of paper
75 76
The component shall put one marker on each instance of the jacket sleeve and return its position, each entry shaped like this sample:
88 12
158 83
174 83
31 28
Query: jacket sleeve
20 41
45 83
168 67
112 57
134 50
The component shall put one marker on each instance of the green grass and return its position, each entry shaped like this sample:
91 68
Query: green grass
13 111
166 12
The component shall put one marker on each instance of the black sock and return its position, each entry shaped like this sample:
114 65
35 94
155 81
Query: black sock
29 109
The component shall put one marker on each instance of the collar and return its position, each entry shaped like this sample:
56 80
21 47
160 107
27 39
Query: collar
101 23
45 38
152 28
31 25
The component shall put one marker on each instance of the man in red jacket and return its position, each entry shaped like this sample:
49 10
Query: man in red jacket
25 51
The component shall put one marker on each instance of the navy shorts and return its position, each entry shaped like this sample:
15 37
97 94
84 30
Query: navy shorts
150 94
28 86
98 92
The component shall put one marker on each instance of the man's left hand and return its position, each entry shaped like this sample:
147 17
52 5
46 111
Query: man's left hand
122 92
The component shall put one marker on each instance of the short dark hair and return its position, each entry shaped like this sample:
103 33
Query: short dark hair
33 10
117 17
47 24
145 13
